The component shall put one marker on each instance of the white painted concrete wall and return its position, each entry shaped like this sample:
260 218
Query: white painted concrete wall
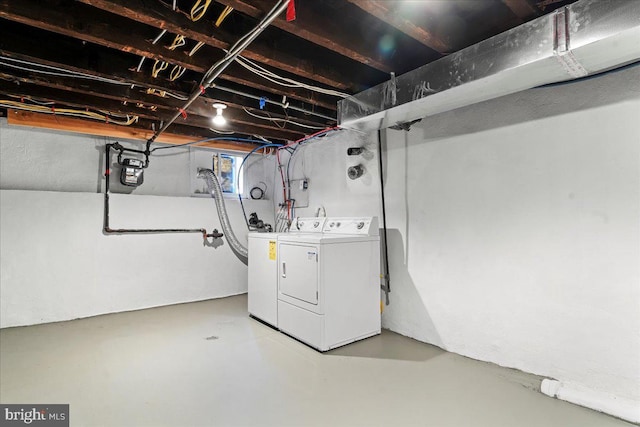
515 233
324 162
45 160
55 263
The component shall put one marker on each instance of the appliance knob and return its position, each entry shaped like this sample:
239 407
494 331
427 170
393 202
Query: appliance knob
338 224
316 224
332 224
360 225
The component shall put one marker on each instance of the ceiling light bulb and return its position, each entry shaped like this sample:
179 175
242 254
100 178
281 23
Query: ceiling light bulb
219 119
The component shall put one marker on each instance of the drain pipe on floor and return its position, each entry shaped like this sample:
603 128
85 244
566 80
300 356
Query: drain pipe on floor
626 409
106 229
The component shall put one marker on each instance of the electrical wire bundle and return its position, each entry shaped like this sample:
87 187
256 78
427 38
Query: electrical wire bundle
277 120
198 10
284 81
49 108
282 222
288 203
49 70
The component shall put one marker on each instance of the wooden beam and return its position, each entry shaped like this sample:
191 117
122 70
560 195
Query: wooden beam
69 124
319 27
201 106
99 28
522 9
383 11
34 45
237 120
301 64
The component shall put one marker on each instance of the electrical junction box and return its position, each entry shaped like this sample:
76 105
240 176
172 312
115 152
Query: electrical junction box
300 192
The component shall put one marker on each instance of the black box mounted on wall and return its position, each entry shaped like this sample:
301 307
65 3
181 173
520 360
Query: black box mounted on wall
132 172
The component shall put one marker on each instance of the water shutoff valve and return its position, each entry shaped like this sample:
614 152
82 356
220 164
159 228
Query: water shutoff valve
355 172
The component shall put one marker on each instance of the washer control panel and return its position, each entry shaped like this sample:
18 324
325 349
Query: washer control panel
367 226
308 225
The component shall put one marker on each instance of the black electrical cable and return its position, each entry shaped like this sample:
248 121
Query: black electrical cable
288 180
384 221
268 145
259 193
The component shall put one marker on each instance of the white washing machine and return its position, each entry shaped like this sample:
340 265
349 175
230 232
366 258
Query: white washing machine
329 282
263 269
263 277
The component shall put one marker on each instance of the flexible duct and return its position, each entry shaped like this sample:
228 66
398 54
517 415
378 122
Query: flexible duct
216 192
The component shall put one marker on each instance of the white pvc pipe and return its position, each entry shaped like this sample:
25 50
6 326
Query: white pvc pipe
623 408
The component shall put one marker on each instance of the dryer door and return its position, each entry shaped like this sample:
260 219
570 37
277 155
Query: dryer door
298 271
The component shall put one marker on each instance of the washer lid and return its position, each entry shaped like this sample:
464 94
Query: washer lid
259 235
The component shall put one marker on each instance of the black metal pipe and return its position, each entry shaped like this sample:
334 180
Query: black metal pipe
106 229
221 65
155 230
387 277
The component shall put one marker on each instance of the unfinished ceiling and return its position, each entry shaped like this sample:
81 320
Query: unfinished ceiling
132 63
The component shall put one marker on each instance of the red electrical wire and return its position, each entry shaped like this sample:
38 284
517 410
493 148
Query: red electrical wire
284 187
313 135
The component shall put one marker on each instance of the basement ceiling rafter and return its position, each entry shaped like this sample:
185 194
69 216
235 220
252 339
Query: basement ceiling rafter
331 28
237 120
386 12
523 9
117 31
36 45
95 48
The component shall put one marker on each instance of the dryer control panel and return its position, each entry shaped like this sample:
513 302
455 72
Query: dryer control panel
362 226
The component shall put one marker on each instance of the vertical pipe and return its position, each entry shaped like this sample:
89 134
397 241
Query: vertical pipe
107 173
387 279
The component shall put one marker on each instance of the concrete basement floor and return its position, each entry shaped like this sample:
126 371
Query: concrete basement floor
209 364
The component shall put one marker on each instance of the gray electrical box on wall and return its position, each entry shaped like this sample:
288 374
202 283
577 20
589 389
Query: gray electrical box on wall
300 192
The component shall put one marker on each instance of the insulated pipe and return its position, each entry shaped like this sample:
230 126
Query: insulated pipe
221 65
216 192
